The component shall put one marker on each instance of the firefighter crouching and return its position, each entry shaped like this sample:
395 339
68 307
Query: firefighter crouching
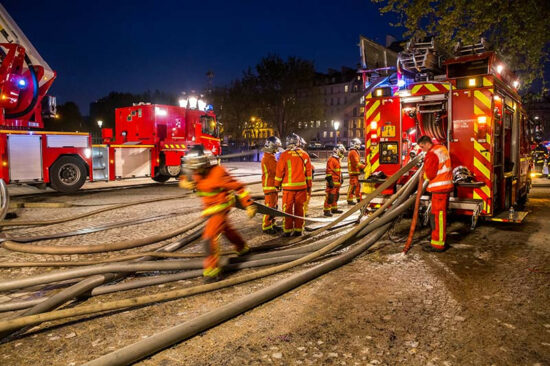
294 175
437 170
219 192
334 180
355 167
271 196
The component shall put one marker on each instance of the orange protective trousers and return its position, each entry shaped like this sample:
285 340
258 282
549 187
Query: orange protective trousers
354 189
294 203
331 198
271 199
215 226
438 219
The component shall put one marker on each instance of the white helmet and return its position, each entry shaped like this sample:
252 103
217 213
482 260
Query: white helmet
272 144
355 144
198 157
339 151
293 141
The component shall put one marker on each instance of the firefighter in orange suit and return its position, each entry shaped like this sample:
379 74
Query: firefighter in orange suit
294 175
355 168
334 180
271 196
219 192
437 170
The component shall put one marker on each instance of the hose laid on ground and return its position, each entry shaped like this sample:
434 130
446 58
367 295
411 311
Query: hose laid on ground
415 214
143 300
157 342
97 248
90 213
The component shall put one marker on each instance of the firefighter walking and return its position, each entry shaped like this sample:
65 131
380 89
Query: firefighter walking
271 196
294 175
219 192
437 170
355 167
334 180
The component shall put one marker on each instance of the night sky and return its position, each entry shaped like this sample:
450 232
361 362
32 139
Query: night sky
101 46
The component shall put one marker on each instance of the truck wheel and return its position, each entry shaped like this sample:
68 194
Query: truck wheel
160 178
67 174
4 199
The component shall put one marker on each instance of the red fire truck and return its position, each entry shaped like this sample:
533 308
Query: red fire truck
149 139
470 103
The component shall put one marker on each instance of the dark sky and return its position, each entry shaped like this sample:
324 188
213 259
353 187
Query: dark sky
121 45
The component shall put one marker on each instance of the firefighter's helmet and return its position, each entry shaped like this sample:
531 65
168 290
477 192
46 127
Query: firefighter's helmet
355 144
339 150
198 157
461 174
272 144
293 141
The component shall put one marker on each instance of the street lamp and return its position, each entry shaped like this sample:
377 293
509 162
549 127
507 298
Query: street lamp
336 125
99 123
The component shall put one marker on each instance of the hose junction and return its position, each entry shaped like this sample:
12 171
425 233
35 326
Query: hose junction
323 246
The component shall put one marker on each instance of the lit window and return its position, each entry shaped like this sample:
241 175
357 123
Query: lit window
346 88
324 133
299 124
331 134
318 123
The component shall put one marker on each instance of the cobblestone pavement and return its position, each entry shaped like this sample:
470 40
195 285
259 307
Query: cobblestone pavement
483 302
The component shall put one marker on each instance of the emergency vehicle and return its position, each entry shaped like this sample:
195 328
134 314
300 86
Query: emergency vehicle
468 102
149 140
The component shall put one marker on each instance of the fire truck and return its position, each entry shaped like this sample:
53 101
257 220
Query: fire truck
149 140
467 101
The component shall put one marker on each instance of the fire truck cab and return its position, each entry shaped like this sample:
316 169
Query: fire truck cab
468 102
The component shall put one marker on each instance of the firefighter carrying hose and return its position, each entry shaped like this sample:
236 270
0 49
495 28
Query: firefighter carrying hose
437 170
271 196
219 192
294 175
355 167
334 180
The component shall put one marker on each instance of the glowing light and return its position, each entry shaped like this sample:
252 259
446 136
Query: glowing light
400 83
471 82
4 163
374 136
202 105
209 107
378 92
373 125
500 68
533 175
536 117
336 125
516 84
404 93
193 102
482 119
160 112
183 102
497 98
87 153
22 83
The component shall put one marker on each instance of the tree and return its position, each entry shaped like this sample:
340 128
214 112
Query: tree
286 92
518 30
68 119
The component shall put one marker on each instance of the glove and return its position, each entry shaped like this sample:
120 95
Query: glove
186 184
330 182
251 211
278 188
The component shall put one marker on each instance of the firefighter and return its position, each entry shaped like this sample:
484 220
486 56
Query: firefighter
302 146
271 196
219 192
355 167
294 175
437 170
540 154
334 180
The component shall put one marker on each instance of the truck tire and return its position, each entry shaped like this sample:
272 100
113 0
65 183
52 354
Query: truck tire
160 178
67 174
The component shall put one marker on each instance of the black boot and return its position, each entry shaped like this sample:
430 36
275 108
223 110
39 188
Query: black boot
327 213
430 249
336 211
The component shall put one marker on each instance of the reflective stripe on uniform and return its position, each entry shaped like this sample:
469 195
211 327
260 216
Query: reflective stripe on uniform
295 184
218 208
209 194
243 194
439 184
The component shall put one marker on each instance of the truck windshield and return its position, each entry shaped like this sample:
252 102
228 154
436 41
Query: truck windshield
209 126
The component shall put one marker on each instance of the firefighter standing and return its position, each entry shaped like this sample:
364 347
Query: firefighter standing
540 154
355 167
334 180
269 166
219 192
437 169
294 175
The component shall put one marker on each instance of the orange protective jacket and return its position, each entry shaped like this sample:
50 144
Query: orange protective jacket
269 167
334 170
218 190
437 169
355 167
294 171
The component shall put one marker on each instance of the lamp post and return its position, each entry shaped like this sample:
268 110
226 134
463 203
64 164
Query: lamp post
336 126
99 123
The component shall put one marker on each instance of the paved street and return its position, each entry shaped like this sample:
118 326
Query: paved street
483 302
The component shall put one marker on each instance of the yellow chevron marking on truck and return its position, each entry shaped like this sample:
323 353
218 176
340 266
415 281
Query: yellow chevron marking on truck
482 98
482 168
431 87
480 148
372 109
